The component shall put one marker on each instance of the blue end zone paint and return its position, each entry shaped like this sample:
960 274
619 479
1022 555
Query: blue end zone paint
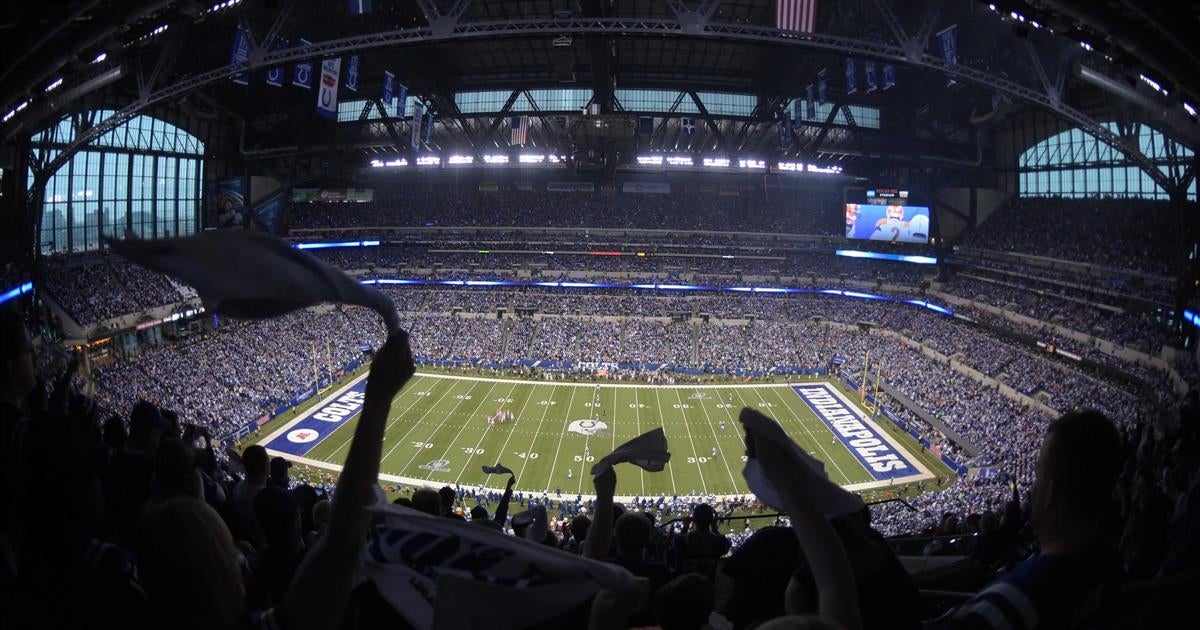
874 452
321 421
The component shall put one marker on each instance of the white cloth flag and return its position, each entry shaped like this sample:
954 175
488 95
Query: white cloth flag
440 573
829 497
648 451
498 469
250 275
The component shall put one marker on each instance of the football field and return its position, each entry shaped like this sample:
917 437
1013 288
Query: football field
438 433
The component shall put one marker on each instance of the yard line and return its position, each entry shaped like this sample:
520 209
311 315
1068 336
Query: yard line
416 424
695 456
637 412
510 432
591 416
465 425
452 411
700 403
393 419
537 431
562 433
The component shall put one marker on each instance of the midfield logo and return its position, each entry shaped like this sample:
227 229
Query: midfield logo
587 427
437 465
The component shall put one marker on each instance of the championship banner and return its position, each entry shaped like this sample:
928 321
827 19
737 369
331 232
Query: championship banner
869 76
441 573
810 103
352 74
797 111
822 88
416 126
389 81
275 74
889 76
785 134
302 77
241 54
401 101
427 128
327 93
851 76
948 43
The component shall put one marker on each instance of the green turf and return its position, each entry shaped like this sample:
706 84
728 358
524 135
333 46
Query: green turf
445 419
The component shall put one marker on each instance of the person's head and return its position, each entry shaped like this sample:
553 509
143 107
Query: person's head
479 513
447 495
428 501
684 603
580 526
631 533
17 374
277 515
146 426
254 460
189 566
322 510
279 471
1077 469
703 516
175 470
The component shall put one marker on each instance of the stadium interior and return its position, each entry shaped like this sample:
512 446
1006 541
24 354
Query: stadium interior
692 314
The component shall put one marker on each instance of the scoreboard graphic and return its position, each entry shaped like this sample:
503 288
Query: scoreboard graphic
894 223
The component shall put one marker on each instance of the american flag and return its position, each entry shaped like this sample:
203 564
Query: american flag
520 127
796 15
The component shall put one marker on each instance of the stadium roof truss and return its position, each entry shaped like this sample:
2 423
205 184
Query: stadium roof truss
690 48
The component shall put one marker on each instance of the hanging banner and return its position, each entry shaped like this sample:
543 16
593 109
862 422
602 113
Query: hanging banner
267 211
401 101
948 42
352 74
327 93
241 54
302 77
822 88
389 81
427 128
275 73
889 75
869 76
785 134
851 76
810 103
416 126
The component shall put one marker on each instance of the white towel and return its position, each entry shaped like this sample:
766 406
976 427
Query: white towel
648 451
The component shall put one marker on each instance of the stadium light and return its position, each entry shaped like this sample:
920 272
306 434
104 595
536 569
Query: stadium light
429 160
679 160
751 164
813 168
529 158
100 57
716 162
456 160
650 160
54 85
1189 109
18 290
856 253
790 166
495 159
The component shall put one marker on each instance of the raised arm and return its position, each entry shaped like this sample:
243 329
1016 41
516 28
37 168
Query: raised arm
320 590
837 594
502 509
599 536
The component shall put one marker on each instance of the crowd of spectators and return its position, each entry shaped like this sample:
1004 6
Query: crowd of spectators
149 527
747 209
1115 233
94 289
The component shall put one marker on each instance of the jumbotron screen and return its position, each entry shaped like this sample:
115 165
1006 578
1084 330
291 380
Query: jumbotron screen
894 223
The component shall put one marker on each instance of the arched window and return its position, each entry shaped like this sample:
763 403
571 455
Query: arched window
1074 163
145 175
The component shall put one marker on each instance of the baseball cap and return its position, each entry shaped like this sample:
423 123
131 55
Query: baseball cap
279 465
